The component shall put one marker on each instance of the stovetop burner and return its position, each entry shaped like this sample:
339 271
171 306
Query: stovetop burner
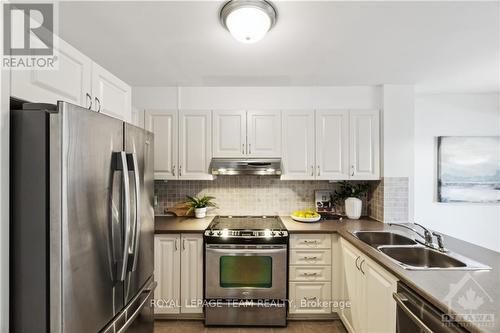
247 229
246 223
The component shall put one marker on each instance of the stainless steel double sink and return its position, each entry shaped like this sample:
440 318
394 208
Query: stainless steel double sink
412 255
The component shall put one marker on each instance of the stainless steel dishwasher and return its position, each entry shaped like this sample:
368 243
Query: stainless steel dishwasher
416 315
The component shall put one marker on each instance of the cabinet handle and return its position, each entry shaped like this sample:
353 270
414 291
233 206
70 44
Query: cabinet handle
352 168
356 262
243 148
180 170
318 171
311 242
183 244
310 274
175 245
89 99
361 267
97 101
173 170
310 298
312 170
310 258
249 149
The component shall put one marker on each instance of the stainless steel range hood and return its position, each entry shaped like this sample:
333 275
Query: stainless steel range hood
237 166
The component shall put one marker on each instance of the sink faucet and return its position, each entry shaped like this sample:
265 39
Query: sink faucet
427 236
440 243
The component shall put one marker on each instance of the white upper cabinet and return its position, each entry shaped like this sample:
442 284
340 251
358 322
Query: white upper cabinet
264 133
332 144
246 134
229 133
164 125
111 95
76 80
365 145
298 145
71 82
195 144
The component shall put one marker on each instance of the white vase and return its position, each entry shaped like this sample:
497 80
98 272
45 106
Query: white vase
353 208
200 212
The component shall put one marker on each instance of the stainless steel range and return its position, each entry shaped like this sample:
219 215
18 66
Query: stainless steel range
246 271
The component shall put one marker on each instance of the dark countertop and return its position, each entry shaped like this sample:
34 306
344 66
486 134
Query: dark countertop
432 285
172 224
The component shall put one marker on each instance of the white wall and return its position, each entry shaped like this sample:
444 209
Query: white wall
398 135
358 97
454 115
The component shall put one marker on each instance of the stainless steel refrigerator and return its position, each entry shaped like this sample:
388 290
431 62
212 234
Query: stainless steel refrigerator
82 222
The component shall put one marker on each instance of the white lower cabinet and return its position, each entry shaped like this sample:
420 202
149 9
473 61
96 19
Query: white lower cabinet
191 273
166 269
178 271
369 289
310 297
310 274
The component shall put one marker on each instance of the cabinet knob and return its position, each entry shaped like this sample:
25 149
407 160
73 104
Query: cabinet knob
319 173
243 148
312 170
173 170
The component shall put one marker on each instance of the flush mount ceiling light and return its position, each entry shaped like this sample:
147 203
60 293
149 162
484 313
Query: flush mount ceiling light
248 20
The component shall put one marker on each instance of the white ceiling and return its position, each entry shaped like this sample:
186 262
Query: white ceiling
438 46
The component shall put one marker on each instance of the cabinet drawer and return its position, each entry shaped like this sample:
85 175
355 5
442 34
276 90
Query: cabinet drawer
310 273
310 297
310 241
311 257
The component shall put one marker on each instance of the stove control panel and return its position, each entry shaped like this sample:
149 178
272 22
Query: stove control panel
225 233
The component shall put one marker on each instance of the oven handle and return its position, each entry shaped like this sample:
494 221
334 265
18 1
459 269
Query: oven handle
248 252
245 247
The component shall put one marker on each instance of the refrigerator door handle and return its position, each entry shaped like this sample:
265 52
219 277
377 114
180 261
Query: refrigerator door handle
123 166
136 231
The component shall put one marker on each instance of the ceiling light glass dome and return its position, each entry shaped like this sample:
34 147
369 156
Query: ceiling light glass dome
248 20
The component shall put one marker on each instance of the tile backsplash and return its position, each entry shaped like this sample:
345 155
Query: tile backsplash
245 195
389 200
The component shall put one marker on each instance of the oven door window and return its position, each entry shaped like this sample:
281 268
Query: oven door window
246 271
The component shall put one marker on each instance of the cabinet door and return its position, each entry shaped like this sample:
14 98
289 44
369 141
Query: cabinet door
310 297
167 267
192 273
195 144
70 82
352 288
380 314
229 133
111 95
332 145
163 123
365 145
264 133
298 145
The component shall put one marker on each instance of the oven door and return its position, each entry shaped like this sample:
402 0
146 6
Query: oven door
245 271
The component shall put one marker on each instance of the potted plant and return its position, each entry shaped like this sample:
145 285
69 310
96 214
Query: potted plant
199 205
351 195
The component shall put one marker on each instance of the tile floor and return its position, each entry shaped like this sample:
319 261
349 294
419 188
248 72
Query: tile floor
187 326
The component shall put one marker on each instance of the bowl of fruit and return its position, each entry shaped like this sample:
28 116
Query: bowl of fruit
307 215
